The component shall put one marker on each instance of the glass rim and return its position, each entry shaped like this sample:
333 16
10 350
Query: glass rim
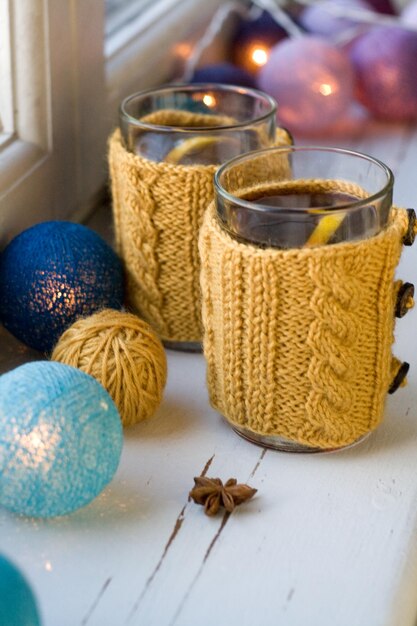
254 93
254 206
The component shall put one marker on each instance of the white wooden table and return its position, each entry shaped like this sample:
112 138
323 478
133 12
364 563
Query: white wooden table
329 540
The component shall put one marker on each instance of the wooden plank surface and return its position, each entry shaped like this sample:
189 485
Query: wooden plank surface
329 540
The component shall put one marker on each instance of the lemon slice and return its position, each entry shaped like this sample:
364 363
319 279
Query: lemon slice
325 229
194 143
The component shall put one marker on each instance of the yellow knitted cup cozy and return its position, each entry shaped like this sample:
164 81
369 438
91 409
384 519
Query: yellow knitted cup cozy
158 209
298 341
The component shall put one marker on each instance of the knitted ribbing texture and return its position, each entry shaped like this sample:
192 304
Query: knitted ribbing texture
158 209
298 342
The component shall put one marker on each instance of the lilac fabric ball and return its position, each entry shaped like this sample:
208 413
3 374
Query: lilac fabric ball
312 82
385 60
409 14
320 21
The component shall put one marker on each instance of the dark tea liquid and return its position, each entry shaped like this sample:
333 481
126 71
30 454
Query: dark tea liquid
284 219
322 199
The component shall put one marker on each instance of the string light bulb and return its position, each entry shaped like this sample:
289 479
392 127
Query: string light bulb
209 100
259 55
253 41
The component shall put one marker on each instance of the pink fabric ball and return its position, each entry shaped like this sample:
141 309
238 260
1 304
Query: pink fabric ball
351 125
312 82
385 60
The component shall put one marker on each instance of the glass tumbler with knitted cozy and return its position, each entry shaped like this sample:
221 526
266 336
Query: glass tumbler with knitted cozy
162 161
298 255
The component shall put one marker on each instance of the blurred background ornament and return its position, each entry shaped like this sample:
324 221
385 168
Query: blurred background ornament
319 19
60 439
253 39
193 58
383 6
50 275
312 81
349 125
225 73
17 603
124 354
385 62
409 14
314 77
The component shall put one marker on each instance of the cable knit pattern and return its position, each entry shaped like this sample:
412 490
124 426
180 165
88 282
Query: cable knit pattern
298 342
158 209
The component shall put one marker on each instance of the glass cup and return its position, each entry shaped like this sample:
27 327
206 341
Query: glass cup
205 124
188 130
309 196
296 197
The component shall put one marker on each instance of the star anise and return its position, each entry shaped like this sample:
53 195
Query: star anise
211 493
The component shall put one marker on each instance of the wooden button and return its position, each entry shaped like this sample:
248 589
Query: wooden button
399 377
410 235
405 300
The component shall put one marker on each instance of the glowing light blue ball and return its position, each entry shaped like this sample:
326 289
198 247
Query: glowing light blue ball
17 603
60 439
50 275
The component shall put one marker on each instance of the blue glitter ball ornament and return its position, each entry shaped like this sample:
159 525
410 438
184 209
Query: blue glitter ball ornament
17 603
60 439
50 275
385 63
225 73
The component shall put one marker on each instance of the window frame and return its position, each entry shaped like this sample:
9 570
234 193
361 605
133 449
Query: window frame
6 91
53 166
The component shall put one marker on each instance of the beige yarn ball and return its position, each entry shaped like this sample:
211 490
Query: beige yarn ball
124 354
